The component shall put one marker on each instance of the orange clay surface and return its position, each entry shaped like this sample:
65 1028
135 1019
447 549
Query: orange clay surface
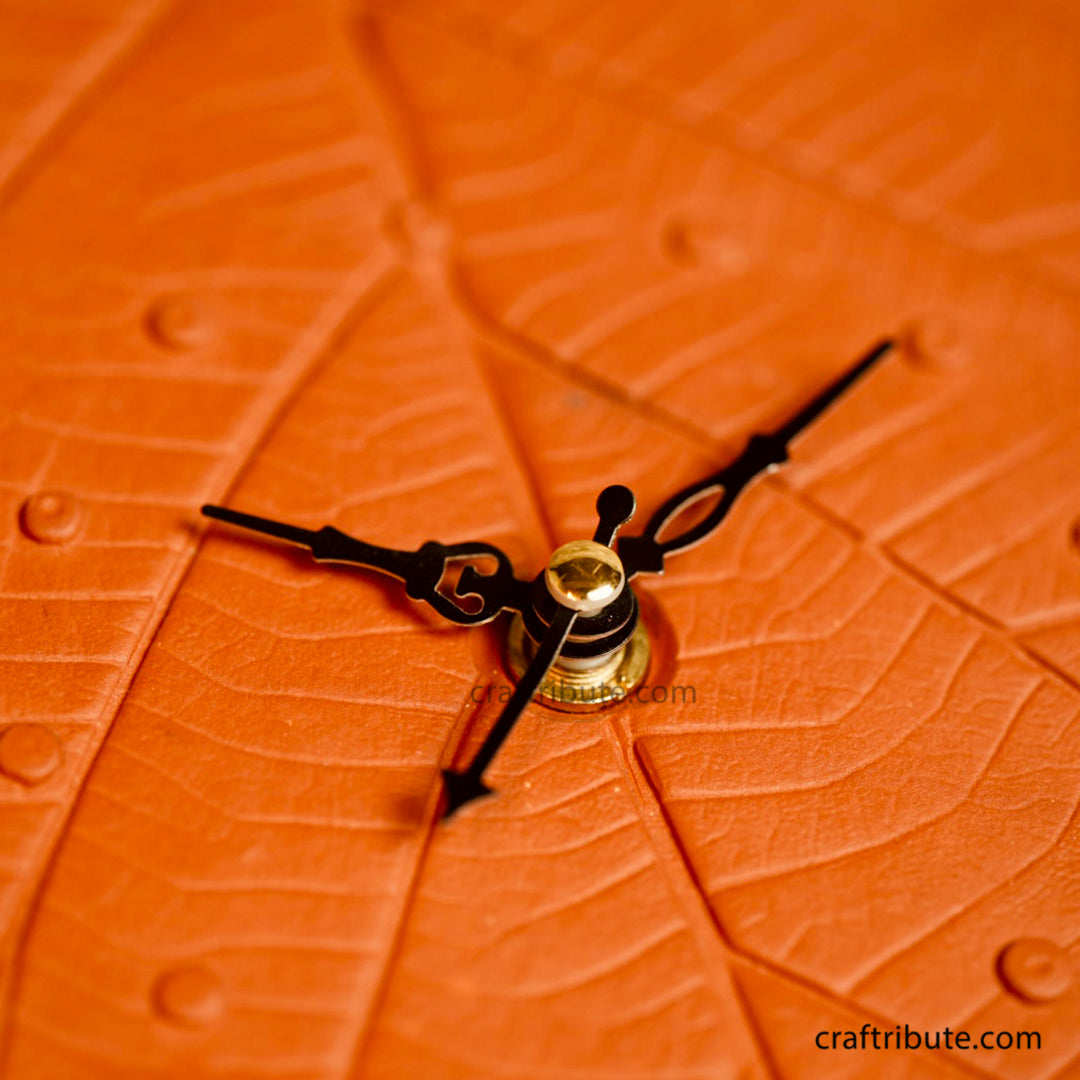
445 268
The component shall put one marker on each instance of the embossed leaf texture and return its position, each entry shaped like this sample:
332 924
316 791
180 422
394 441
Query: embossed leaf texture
445 270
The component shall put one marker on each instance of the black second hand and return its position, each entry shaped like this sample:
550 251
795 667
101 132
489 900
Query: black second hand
463 787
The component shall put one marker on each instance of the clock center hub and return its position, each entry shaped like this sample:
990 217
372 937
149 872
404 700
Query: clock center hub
606 655
585 576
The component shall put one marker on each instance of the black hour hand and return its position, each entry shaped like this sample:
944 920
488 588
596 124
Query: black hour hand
423 571
645 554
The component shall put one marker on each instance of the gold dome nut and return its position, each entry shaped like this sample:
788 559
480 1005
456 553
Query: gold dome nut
585 576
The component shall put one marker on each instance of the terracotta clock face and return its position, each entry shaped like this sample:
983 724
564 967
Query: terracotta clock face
445 271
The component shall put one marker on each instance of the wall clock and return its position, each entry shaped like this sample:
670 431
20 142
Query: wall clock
445 272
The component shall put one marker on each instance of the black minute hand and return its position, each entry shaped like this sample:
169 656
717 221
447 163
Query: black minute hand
422 570
645 554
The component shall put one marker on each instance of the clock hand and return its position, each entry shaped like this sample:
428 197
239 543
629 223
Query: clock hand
422 571
583 578
615 506
837 388
462 787
645 554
